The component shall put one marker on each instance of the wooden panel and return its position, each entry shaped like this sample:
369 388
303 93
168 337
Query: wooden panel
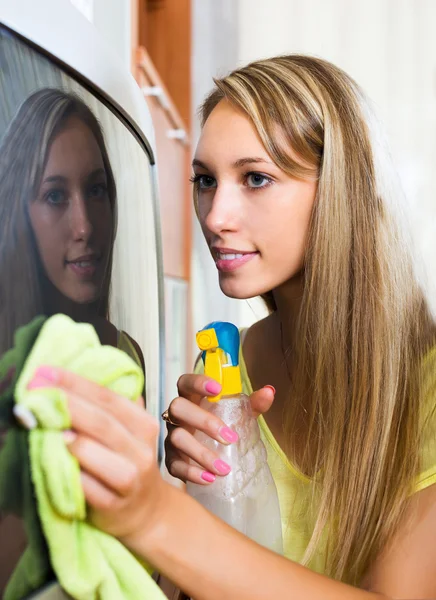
165 31
135 17
173 172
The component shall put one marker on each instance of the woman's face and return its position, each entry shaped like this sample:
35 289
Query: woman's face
255 217
71 215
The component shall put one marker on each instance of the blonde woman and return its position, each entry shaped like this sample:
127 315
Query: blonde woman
296 205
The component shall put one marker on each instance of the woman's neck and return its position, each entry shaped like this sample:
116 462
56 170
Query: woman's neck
55 302
288 298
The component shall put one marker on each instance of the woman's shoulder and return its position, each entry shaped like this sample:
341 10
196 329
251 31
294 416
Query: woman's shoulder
428 421
131 347
428 390
429 369
111 336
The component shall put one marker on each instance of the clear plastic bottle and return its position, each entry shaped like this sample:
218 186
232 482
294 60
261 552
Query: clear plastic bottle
246 498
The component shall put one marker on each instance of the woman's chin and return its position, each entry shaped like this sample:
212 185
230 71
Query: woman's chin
238 292
83 297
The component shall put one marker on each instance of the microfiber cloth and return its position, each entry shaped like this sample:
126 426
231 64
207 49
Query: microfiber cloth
88 563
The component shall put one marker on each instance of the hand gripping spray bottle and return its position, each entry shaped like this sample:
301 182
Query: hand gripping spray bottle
246 498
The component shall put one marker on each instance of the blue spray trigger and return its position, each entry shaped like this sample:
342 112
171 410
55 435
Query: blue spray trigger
228 340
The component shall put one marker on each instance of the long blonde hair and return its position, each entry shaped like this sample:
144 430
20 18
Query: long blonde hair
364 324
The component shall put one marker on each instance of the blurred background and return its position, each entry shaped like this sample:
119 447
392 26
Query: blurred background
175 47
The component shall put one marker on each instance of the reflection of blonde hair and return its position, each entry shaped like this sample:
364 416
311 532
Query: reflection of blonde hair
364 323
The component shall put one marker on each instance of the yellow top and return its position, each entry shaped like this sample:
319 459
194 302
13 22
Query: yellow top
293 486
124 343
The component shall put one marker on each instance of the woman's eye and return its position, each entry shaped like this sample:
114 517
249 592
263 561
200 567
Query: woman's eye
257 180
56 197
204 182
98 191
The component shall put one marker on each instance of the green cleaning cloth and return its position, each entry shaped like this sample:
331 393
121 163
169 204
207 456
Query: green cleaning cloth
88 563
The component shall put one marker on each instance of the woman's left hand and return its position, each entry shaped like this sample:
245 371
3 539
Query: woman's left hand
115 442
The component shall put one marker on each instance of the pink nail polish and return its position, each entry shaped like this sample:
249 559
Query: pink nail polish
212 387
49 373
222 467
271 387
209 477
39 382
228 435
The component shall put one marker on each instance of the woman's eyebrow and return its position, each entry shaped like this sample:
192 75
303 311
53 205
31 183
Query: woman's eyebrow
238 163
55 179
251 159
96 173
198 163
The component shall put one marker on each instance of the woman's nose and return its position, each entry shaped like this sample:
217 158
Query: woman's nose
224 212
81 225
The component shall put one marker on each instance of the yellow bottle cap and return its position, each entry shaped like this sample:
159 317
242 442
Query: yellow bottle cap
220 358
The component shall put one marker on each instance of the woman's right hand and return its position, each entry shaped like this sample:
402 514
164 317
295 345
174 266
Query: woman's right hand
180 444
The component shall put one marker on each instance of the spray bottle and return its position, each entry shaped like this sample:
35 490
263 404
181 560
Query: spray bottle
246 498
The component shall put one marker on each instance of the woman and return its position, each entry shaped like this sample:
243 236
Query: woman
295 205
57 215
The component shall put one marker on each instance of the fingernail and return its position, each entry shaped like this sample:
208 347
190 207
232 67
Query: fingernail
49 373
39 382
209 477
222 467
43 377
69 436
270 387
212 387
24 416
228 434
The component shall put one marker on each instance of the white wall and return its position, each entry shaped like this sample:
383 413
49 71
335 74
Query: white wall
113 20
86 7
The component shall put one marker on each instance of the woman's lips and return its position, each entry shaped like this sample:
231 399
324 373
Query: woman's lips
84 268
231 261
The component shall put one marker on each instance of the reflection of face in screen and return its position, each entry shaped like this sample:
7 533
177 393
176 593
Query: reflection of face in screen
71 215
57 204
